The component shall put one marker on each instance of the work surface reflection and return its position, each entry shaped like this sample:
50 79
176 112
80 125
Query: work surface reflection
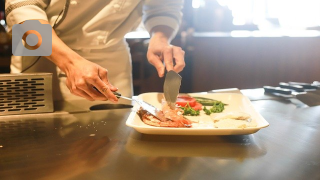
98 145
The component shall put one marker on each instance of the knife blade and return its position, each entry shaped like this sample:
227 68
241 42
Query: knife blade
144 105
171 88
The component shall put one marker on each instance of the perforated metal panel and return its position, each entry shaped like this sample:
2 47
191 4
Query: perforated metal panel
25 93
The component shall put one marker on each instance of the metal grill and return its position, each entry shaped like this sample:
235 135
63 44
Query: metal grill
25 93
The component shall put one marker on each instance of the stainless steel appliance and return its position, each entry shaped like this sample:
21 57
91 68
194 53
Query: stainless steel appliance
25 93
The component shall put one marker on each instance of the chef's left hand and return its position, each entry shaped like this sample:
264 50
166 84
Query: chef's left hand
160 51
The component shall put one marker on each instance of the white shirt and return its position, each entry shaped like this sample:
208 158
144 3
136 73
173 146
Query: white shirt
94 29
96 24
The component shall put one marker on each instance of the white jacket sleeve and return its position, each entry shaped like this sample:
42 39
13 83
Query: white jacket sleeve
18 11
162 12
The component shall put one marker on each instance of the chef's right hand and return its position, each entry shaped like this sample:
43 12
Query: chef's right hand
84 76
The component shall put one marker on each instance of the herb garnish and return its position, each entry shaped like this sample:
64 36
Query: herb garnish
188 110
217 107
207 101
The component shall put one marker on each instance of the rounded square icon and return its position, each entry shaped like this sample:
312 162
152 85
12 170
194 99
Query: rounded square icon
32 41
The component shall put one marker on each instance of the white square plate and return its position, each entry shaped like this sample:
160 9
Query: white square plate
235 101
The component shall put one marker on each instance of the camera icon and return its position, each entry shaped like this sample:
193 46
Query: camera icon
38 41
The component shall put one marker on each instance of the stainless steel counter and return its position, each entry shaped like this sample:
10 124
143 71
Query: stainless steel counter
98 145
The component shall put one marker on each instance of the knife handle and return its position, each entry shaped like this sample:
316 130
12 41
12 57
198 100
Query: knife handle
297 88
270 89
304 85
115 93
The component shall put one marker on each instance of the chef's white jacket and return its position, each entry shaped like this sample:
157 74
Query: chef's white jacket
95 29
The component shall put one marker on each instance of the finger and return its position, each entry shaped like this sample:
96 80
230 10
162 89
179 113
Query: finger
74 90
156 61
104 89
102 96
81 93
178 55
168 58
83 86
103 74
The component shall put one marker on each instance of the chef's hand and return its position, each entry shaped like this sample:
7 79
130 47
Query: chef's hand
84 76
162 55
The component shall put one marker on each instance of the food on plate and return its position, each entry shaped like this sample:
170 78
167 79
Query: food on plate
231 115
216 107
233 119
188 101
189 105
192 105
189 111
207 101
183 100
171 117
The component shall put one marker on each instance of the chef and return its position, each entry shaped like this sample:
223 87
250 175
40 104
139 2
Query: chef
90 57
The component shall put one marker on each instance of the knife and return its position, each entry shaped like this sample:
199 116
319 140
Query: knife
309 98
144 105
305 85
297 88
314 87
171 88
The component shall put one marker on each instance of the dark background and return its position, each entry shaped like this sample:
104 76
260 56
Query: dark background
4 57
218 60
2 5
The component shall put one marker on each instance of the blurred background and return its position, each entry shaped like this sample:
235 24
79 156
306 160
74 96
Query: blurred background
5 42
229 44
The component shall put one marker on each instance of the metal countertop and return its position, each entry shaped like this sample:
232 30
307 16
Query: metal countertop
95 145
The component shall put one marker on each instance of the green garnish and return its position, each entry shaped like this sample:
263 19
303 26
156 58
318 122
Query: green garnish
217 107
207 111
189 111
207 101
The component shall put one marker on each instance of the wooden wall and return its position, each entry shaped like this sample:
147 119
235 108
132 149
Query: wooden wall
252 62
